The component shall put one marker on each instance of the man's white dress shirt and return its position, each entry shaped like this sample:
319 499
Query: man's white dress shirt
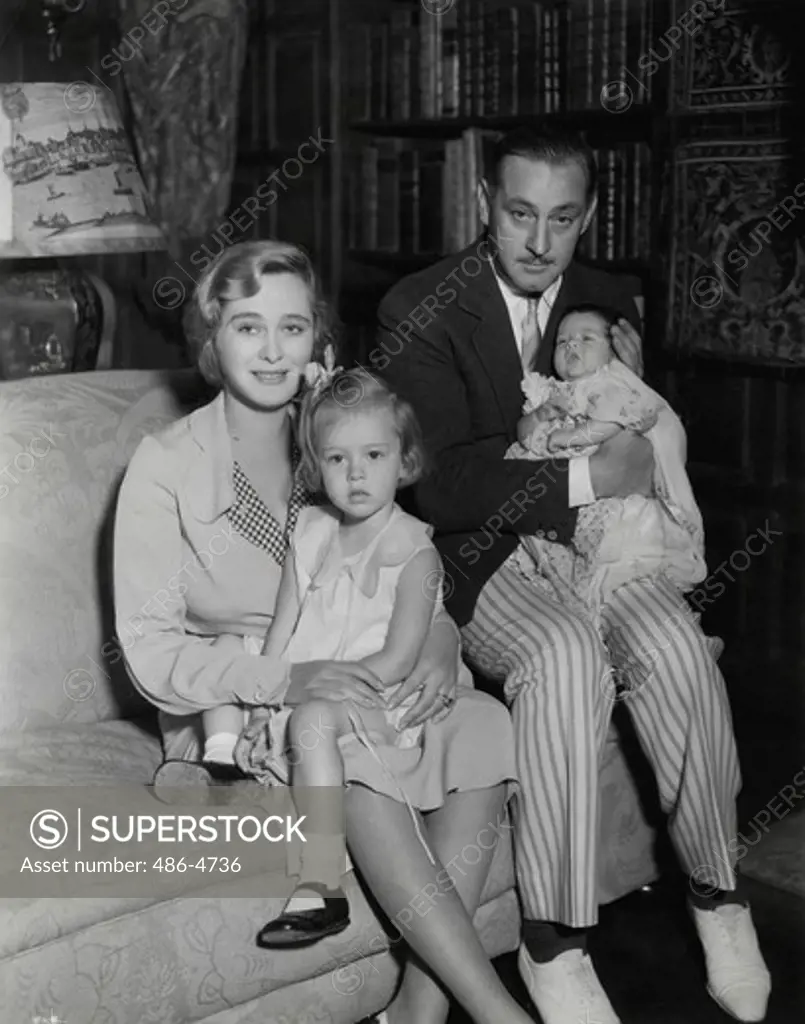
580 488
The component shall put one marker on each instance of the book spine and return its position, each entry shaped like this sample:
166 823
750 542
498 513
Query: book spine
620 44
359 80
537 70
380 72
480 60
604 74
438 50
623 208
427 64
409 200
573 54
554 69
646 203
491 106
509 60
400 63
590 98
628 71
611 205
556 49
369 185
352 201
466 56
526 60
414 65
450 64
448 200
471 172
546 61
431 198
388 195
650 35
592 234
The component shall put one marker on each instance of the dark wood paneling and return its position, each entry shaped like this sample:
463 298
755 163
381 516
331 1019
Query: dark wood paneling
746 436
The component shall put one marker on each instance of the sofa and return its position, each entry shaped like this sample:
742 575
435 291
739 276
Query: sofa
70 717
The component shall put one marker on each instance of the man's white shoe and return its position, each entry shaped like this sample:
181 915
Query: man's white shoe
566 990
737 976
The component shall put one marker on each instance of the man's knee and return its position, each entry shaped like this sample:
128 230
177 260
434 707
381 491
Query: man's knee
681 647
562 657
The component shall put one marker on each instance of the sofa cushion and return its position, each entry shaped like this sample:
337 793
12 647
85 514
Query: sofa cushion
360 987
181 960
64 442
81 755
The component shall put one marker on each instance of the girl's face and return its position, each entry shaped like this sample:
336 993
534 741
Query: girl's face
360 459
264 342
582 345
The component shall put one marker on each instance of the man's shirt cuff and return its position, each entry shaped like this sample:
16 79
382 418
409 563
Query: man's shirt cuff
580 486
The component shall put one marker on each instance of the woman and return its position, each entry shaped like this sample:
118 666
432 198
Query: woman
198 552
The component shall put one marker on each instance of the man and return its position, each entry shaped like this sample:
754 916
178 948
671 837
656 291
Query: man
455 340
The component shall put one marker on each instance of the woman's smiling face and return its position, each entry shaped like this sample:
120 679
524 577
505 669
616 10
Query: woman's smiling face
264 342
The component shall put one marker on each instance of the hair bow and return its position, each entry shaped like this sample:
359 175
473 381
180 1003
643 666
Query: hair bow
317 377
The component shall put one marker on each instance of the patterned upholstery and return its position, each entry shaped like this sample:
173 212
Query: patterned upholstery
64 441
69 715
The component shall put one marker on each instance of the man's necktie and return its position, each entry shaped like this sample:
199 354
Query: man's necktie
530 335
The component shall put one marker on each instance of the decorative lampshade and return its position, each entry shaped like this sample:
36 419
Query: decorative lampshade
68 182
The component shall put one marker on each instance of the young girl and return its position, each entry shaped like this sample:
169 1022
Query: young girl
361 582
616 539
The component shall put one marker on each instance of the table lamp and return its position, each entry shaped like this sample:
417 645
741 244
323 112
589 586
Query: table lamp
69 186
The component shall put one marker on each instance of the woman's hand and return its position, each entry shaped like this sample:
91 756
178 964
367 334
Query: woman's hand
336 681
435 676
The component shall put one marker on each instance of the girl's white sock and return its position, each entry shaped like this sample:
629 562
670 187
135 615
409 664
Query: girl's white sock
304 899
220 747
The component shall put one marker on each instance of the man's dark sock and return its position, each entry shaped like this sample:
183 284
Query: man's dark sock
546 940
704 898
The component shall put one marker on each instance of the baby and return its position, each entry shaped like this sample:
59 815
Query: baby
616 539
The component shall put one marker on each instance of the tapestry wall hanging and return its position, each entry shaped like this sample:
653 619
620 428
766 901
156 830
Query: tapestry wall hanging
737 288
738 57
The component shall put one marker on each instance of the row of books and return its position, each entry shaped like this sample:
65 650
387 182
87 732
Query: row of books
420 197
482 59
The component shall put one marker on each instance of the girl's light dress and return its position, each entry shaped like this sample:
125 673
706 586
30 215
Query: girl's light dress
346 607
616 540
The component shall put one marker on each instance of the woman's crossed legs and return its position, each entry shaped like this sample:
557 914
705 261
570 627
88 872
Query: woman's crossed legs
443 937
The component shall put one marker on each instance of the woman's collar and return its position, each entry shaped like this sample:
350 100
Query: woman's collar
209 480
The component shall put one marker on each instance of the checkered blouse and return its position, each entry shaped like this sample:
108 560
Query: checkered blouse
253 521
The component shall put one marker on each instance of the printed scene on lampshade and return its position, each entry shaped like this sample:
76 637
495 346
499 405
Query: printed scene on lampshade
69 182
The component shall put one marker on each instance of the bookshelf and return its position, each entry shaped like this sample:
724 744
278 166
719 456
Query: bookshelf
746 439
422 95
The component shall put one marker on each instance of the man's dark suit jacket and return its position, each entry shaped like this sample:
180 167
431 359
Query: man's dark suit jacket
446 345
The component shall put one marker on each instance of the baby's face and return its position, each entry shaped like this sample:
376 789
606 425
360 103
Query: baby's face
582 345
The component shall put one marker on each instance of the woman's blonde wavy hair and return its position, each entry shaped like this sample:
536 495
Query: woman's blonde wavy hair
236 273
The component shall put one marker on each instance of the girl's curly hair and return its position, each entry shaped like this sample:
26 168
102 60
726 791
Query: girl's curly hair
351 391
